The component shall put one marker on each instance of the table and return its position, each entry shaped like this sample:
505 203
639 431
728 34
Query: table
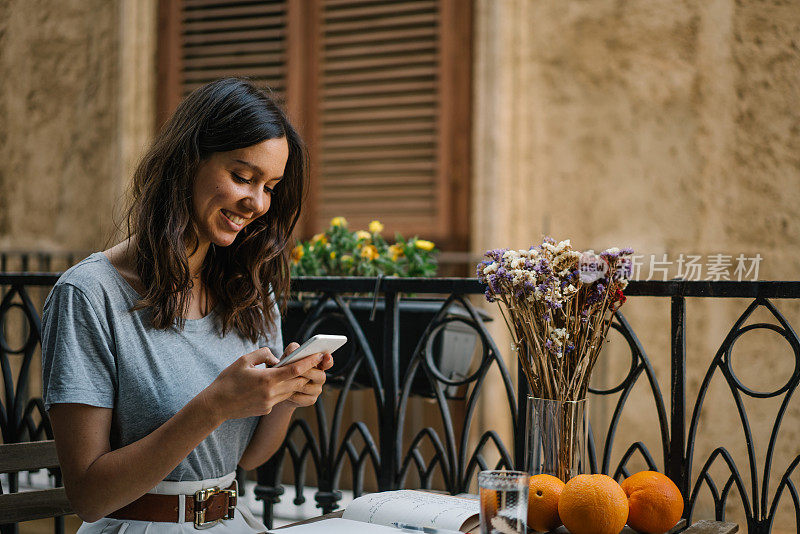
703 526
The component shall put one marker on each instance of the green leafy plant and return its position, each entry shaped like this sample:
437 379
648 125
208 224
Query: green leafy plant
338 251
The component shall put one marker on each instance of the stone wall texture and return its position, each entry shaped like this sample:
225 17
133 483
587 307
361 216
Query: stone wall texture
669 126
74 77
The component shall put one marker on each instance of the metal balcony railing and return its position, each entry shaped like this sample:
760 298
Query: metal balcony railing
403 354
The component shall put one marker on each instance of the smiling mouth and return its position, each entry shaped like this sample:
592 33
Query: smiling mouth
235 219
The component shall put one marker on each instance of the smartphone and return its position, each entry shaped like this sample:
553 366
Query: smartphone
318 343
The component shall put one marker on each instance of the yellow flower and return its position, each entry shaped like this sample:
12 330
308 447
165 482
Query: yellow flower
333 255
369 252
375 227
424 245
396 251
347 258
297 254
361 234
338 221
319 238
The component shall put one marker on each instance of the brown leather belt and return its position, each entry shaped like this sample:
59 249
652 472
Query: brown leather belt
205 508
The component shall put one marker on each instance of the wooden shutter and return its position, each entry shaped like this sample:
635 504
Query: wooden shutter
380 89
218 38
385 96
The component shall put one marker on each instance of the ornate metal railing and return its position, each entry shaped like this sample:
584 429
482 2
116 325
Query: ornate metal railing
403 356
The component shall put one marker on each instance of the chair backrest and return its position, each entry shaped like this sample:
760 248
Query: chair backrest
37 504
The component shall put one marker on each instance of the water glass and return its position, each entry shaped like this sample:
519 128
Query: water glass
504 501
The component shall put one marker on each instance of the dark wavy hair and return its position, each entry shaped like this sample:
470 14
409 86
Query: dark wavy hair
248 277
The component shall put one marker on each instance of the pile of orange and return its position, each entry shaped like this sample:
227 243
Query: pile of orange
648 502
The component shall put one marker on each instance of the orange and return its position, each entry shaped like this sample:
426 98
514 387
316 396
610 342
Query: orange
593 504
654 500
488 502
543 494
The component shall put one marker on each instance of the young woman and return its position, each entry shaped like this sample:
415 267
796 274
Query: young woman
154 350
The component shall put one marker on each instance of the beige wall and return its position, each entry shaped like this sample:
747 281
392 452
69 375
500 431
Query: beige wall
76 107
669 126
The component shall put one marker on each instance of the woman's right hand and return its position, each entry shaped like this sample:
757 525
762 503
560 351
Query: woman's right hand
244 390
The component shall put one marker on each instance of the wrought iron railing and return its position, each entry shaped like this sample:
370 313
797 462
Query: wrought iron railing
379 365
12 260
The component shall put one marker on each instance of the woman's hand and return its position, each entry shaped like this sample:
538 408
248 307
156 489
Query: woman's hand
310 392
243 389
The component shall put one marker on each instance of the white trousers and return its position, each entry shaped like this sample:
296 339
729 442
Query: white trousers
243 521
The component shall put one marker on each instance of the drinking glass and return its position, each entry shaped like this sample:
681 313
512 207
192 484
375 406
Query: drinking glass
504 501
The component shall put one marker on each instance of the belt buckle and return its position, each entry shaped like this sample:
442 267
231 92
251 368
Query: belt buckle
203 495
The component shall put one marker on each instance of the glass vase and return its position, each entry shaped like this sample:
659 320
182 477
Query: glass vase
555 439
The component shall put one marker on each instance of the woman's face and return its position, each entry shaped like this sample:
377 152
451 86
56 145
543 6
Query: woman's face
232 189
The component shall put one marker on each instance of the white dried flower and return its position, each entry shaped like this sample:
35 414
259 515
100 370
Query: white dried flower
509 255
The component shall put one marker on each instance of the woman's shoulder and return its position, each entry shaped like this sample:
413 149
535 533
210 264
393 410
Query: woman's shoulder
86 273
94 277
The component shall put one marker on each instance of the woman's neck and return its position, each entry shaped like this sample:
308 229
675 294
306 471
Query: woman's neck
197 258
200 303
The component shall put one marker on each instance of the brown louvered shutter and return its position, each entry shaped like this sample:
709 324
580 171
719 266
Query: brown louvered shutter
380 89
384 109
218 38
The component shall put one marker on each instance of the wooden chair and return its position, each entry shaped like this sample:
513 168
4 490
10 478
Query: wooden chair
30 505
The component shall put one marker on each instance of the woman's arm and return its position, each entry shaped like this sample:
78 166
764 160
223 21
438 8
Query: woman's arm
268 436
99 481
272 427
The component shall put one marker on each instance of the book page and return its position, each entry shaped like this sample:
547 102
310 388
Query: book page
418 508
336 526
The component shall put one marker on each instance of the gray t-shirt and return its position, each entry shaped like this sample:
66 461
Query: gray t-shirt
96 351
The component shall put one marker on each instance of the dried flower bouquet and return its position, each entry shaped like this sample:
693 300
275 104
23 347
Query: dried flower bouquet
558 304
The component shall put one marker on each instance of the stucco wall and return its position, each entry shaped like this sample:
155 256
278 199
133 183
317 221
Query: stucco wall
76 106
667 126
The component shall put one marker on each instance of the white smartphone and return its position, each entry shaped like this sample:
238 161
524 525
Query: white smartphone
318 343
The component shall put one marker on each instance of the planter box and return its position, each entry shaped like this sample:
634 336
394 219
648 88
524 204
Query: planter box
453 347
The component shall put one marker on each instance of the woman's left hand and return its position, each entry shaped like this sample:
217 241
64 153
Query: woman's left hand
310 392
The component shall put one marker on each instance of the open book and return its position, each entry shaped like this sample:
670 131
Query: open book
403 510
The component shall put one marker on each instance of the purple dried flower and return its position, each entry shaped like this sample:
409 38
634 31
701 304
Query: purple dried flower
543 267
553 304
543 287
595 295
528 285
496 254
493 283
